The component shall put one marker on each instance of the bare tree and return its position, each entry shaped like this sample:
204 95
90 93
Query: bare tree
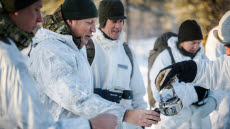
128 20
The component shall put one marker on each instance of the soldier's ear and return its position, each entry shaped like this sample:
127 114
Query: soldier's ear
13 16
15 13
69 23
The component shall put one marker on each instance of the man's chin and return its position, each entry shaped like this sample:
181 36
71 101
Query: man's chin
115 36
84 42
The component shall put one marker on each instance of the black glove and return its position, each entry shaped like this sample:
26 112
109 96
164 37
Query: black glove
202 93
185 72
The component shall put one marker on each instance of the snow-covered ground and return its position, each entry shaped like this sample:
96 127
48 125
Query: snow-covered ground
142 48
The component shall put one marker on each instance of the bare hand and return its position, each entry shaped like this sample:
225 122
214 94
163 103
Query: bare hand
142 117
104 121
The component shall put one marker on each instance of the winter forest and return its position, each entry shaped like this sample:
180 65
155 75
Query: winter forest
150 18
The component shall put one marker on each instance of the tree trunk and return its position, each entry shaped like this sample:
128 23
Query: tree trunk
128 21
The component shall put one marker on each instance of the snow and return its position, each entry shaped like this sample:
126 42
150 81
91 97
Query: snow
141 49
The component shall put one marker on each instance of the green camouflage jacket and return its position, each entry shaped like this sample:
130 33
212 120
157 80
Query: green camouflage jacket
56 23
9 29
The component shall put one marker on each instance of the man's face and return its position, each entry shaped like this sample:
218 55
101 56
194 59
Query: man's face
113 28
26 19
82 28
227 47
191 46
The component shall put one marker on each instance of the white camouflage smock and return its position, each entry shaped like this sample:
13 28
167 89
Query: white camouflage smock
215 75
64 78
213 47
20 106
185 91
112 71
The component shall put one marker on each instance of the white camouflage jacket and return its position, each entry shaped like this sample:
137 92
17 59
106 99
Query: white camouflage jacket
213 47
215 75
111 69
64 78
20 106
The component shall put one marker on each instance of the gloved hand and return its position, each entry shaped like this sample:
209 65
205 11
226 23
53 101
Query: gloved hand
204 110
202 94
185 71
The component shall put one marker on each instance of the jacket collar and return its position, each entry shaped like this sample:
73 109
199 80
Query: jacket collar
172 43
44 34
100 36
9 29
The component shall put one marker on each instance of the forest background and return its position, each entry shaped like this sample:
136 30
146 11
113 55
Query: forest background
151 18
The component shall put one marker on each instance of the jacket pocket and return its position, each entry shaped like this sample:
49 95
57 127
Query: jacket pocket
122 77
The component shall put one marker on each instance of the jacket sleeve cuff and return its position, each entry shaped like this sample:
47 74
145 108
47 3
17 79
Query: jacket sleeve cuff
186 92
124 116
219 96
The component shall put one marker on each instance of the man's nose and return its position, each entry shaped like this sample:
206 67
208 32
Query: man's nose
196 46
227 51
93 28
39 18
118 24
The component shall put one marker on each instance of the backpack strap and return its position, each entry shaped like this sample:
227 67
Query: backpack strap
90 50
129 54
171 55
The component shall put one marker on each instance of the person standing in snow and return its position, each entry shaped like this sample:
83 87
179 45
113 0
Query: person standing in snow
62 72
210 74
116 75
184 47
213 47
20 106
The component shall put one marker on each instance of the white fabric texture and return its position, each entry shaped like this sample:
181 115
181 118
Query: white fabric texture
111 69
221 117
20 106
204 110
185 91
177 121
213 48
215 76
64 78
